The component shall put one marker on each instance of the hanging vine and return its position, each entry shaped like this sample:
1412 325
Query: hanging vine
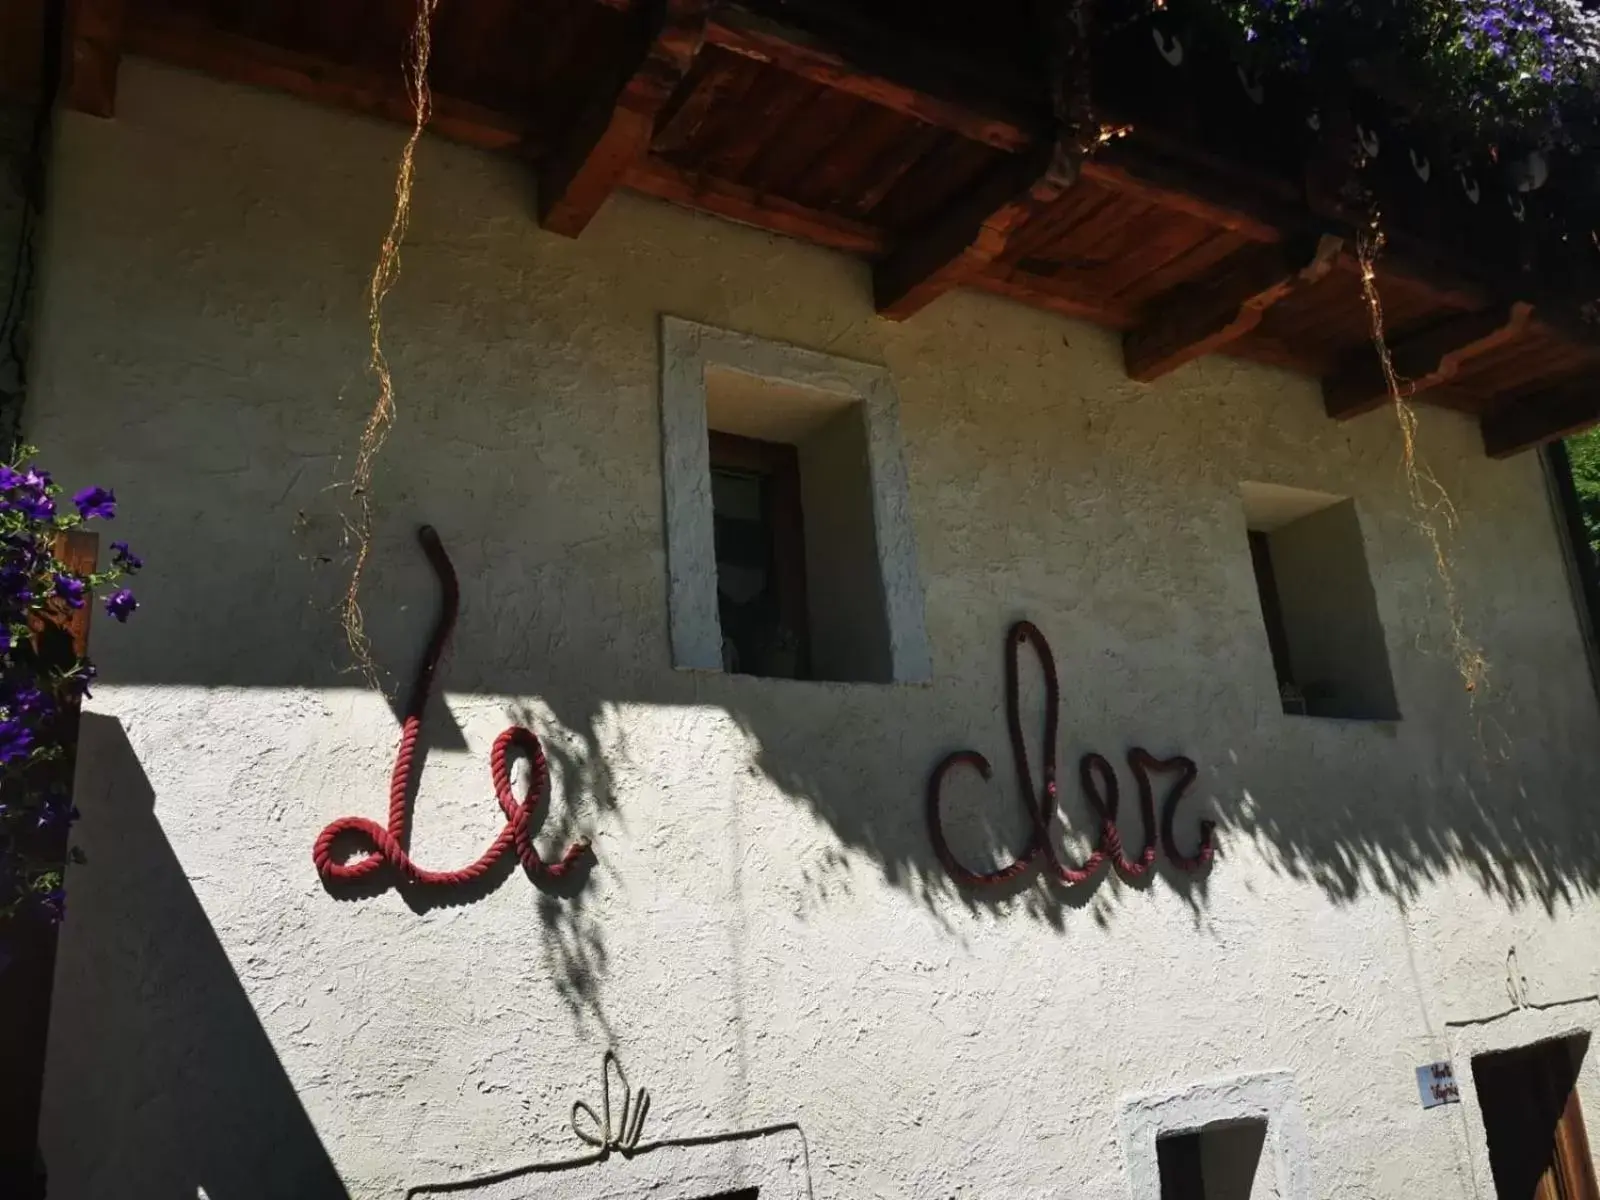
384 276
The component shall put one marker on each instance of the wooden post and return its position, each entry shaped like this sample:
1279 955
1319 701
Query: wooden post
26 981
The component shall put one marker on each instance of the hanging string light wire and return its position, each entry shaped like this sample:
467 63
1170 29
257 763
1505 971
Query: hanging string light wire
1435 512
384 276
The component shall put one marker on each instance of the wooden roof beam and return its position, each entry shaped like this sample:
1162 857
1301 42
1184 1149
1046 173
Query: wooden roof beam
1558 412
1207 315
613 131
964 241
1423 361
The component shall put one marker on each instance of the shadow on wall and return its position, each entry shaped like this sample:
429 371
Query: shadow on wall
549 614
162 1033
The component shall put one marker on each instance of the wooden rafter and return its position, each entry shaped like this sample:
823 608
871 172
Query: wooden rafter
94 53
1203 317
1530 421
1425 360
613 131
968 238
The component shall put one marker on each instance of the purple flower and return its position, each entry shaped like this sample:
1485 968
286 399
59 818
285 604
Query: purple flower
124 558
16 740
26 700
71 589
16 589
96 502
34 505
121 604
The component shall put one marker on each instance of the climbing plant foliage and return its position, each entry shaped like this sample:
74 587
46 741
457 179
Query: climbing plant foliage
1583 452
1485 69
41 678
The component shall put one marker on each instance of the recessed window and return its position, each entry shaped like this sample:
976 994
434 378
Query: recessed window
761 566
1218 1162
1538 1149
788 534
746 1194
1317 604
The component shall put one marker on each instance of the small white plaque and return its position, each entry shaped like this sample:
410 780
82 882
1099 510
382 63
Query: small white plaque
1436 1084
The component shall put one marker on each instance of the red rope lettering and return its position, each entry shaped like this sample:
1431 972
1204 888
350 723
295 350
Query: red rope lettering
388 845
1099 780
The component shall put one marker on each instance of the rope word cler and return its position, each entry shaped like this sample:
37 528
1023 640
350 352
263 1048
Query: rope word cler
1099 781
388 845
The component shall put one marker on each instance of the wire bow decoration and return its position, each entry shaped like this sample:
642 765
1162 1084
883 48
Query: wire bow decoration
600 1133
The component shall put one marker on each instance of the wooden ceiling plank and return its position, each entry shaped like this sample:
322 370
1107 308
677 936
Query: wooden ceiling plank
1423 361
1193 262
892 168
357 89
94 54
703 94
1045 235
656 177
613 131
743 32
1203 317
740 146
857 161
1124 169
805 140
971 235
1532 421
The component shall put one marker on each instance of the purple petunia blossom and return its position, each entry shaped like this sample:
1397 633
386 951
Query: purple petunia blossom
34 505
121 604
15 741
96 502
71 589
26 700
125 558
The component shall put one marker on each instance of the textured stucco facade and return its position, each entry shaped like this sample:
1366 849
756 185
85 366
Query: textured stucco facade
766 937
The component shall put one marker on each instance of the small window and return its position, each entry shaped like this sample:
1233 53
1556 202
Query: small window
760 546
1317 604
789 541
1538 1149
1218 1162
746 1194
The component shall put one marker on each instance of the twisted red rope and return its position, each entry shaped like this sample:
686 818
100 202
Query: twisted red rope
389 845
1099 781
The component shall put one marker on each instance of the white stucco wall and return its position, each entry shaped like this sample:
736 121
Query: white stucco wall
766 937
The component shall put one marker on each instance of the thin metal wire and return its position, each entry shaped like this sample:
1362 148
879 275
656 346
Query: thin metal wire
384 276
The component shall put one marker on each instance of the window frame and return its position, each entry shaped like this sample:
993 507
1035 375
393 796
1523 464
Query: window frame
1271 1097
688 350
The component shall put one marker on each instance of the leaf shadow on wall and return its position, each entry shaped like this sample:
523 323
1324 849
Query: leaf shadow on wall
558 619
161 1080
